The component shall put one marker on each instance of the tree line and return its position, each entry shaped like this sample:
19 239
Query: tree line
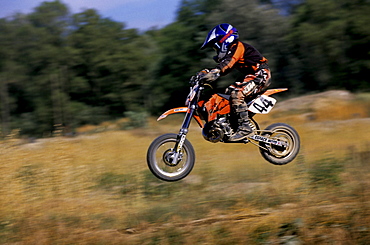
58 68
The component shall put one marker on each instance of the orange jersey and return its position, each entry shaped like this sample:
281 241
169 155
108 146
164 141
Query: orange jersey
243 57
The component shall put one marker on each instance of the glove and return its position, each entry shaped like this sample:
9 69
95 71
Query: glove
209 76
202 73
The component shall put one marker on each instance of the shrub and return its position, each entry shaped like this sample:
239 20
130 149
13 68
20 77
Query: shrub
326 172
136 119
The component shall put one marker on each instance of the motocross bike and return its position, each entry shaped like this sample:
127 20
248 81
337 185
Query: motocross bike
171 157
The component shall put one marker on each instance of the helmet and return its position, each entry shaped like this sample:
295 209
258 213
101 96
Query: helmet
221 37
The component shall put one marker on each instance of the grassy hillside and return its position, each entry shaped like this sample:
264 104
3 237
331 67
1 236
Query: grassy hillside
96 189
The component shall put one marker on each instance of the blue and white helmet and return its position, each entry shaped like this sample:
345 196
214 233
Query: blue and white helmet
221 37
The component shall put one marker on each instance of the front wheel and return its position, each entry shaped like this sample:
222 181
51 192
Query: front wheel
289 148
165 163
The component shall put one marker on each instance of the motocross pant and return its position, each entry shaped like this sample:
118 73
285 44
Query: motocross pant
252 84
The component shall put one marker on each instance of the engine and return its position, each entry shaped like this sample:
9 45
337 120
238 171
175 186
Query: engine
216 130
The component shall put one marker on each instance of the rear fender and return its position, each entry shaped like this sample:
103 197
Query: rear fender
180 110
263 103
274 91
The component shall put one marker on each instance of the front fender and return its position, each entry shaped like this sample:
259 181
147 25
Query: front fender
180 110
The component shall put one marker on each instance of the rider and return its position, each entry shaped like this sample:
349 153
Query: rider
232 53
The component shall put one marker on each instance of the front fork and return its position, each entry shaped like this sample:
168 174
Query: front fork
181 137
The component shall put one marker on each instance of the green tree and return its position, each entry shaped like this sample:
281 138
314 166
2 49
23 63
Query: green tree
47 59
61 69
33 58
330 40
109 62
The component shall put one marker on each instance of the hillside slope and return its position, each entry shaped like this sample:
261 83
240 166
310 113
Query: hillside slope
96 188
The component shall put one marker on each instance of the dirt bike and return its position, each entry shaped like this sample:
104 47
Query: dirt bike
171 157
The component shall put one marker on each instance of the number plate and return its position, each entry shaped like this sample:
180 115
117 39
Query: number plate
262 104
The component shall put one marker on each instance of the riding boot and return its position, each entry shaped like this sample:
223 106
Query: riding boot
244 128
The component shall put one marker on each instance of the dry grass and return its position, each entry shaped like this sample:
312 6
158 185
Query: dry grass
96 189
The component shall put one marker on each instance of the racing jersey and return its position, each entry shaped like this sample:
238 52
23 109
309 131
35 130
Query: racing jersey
243 57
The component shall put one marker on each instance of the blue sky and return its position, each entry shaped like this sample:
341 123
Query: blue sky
141 14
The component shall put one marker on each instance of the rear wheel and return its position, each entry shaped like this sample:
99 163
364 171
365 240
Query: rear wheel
289 148
165 163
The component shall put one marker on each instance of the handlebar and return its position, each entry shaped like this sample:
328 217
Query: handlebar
195 80
205 76
198 79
